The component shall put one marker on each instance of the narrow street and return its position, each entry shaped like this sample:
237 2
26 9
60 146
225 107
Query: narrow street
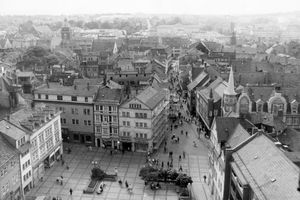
195 162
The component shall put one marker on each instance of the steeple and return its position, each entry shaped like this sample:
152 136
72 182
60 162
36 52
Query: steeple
230 88
115 50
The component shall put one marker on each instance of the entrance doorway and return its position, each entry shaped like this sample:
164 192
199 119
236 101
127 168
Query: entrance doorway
126 146
82 139
98 142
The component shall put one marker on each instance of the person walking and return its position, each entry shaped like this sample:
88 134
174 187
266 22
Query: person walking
180 168
126 184
186 133
183 154
71 191
168 164
204 178
162 164
179 158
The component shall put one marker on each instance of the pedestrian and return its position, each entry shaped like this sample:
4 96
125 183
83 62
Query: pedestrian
61 180
162 164
116 171
179 158
111 152
204 178
186 133
165 149
183 154
71 191
165 143
126 184
168 164
181 132
180 168
177 139
62 162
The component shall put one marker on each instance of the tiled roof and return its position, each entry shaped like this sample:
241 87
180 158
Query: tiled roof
226 126
238 136
270 174
202 77
11 130
151 97
57 89
7 151
106 94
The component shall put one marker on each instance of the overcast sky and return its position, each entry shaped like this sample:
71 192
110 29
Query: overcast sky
67 7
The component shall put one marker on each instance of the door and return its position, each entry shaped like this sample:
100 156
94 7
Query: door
82 140
98 142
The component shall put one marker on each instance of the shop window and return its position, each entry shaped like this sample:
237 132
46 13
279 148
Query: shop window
88 138
76 137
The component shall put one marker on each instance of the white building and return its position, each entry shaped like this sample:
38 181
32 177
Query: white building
43 136
18 138
143 120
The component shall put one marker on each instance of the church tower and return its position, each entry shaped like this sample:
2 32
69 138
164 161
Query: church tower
65 34
229 97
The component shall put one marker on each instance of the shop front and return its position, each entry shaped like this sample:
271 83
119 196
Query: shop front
107 143
142 145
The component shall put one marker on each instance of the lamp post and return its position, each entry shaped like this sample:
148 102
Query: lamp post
94 163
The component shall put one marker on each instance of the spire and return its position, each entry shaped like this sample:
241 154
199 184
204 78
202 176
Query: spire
230 88
115 50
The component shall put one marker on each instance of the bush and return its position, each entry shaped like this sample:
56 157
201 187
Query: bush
98 174
152 176
146 170
185 193
183 180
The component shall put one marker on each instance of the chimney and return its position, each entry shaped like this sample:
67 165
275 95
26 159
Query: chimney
75 87
88 86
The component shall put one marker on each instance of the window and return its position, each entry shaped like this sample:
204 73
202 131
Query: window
73 98
105 131
145 125
39 96
124 123
42 149
48 132
105 118
101 108
145 135
85 122
136 124
114 108
123 114
98 129
73 121
114 118
145 115
41 137
97 118
88 138
128 123
86 99
86 111
141 124
127 114
59 97
97 108
46 96
89 122
76 137
115 130
137 135
77 121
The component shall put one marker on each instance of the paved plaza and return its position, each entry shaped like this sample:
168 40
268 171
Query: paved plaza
80 161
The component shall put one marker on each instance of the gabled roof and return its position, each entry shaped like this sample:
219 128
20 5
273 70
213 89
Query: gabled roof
269 173
238 136
227 126
107 94
151 97
202 77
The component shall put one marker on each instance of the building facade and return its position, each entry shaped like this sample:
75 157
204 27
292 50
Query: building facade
43 129
18 138
143 121
10 178
106 115
76 106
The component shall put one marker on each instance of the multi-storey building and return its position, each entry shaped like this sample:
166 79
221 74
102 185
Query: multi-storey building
76 105
259 170
10 182
43 132
225 132
106 115
143 120
19 139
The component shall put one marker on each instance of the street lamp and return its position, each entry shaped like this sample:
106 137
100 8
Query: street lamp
94 163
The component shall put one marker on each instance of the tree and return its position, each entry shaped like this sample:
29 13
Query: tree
97 174
183 180
152 176
146 170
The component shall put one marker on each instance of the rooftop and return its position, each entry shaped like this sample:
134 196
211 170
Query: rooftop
7 151
57 89
270 174
11 130
151 97
107 94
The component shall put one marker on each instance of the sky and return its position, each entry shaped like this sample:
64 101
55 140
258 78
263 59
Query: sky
199 7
